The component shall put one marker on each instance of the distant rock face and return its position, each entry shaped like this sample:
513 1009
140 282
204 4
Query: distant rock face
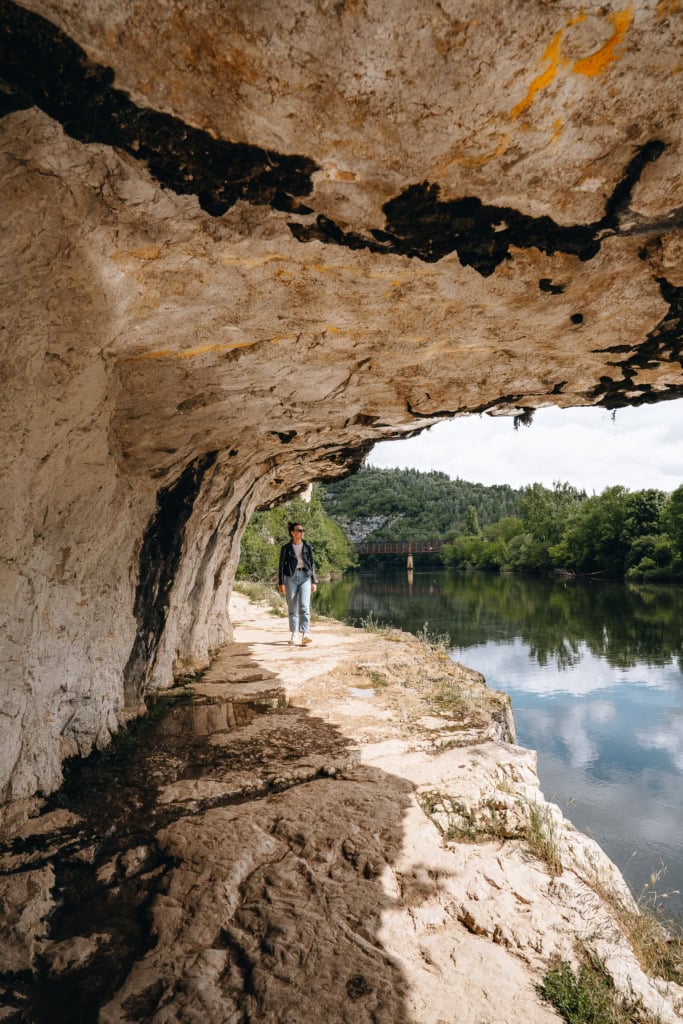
244 242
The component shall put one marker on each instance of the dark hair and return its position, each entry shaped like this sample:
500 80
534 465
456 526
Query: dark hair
290 526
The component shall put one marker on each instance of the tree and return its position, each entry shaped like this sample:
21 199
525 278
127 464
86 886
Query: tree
505 529
544 512
472 527
593 539
672 518
643 514
652 557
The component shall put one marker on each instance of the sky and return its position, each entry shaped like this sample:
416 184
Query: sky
640 447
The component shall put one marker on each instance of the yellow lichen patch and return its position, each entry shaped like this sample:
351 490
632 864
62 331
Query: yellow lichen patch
463 160
252 261
189 353
334 173
666 8
360 271
146 252
557 130
597 62
542 81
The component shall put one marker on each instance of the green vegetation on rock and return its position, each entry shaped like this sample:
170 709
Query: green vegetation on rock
267 531
588 996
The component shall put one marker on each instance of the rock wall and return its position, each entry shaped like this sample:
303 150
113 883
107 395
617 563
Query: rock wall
244 242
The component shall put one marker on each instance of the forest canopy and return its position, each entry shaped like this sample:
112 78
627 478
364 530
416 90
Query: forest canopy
635 535
416 505
616 534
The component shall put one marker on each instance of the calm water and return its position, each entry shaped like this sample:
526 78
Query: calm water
594 671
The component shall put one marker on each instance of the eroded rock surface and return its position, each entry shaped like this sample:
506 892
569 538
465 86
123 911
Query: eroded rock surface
329 840
243 242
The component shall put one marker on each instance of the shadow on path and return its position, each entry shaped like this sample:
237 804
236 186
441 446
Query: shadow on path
227 862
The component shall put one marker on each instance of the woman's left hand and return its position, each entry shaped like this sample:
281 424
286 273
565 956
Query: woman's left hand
314 587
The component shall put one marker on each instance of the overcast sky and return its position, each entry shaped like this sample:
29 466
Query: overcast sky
641 447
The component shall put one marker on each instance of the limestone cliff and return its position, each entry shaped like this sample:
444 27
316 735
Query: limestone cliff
242 242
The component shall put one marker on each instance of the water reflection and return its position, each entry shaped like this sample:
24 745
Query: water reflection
626 625
594 674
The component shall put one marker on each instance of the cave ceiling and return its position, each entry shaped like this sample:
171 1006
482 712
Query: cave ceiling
298 227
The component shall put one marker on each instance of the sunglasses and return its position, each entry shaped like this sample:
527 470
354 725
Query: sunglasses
297 529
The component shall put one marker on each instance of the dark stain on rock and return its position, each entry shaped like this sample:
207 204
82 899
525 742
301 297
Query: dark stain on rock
42 66
142 1006
361 420
159 560
524 418
357 987
429 415
495 403
576 318
11 101
663 344
421 225
285 435
546 285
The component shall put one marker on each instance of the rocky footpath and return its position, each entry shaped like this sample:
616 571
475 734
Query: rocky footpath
340 833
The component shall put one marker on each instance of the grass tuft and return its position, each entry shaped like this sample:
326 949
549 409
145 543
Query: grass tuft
266 593
372 624
541 835
589 996
437 641
656 940
458 823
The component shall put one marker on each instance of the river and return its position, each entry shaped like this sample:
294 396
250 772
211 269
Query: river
595 675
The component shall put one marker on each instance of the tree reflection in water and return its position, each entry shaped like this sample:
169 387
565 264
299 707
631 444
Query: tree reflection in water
625 624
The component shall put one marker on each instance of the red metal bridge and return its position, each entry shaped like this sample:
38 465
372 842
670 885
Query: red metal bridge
397 547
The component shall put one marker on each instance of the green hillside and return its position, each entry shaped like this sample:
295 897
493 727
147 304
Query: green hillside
413 505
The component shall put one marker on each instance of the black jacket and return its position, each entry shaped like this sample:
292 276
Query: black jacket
288 562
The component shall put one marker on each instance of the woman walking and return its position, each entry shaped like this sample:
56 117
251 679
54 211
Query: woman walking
297 579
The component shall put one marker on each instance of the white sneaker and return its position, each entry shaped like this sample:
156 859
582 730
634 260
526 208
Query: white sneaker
292 639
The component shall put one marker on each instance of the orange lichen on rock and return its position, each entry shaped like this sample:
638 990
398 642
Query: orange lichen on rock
542 81
602 58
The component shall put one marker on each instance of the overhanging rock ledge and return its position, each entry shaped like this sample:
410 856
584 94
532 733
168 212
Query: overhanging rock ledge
244 242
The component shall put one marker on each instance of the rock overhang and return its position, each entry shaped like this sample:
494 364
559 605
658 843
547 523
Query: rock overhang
273 234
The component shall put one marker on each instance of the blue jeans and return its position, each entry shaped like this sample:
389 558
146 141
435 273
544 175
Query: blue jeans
298 594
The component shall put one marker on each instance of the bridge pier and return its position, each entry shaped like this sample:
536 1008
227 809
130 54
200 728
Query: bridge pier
409 564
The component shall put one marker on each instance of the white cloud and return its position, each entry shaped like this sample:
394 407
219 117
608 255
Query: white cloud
669 739
639 447
582 750
508 666
602 711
